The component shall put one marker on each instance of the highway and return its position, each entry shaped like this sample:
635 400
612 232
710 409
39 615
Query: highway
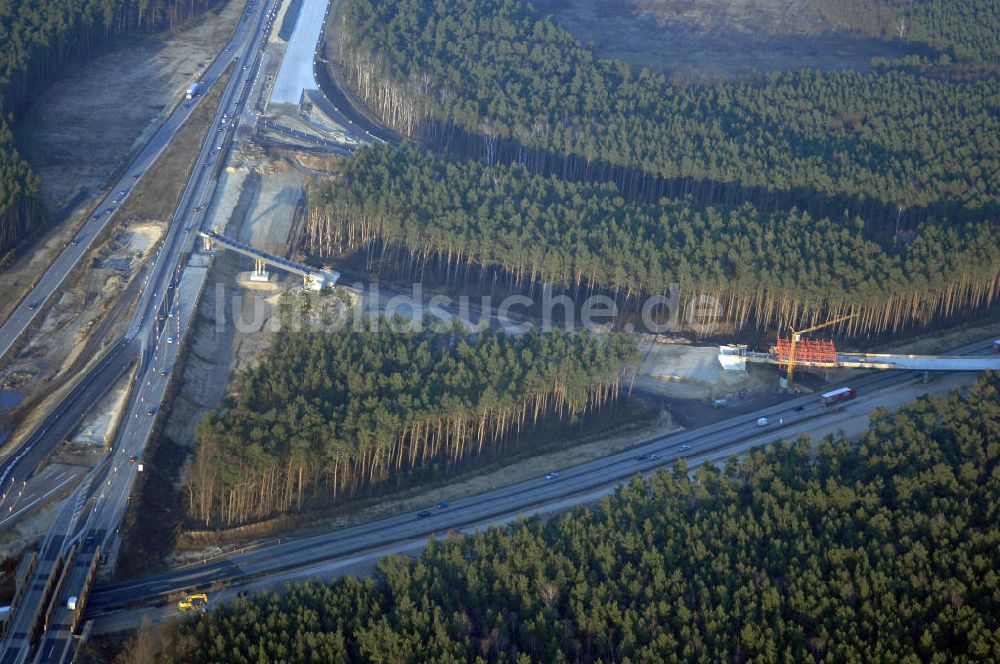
18 496
103 213
114 606
21 464
106 496
87 522
90 517
43 622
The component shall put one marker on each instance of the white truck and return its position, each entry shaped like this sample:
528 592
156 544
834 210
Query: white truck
192 91
71 603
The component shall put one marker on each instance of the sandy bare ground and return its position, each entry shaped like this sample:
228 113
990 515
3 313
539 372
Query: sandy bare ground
257 203
713 36
58 345
97 297
97 113
92 309
90 120
694 372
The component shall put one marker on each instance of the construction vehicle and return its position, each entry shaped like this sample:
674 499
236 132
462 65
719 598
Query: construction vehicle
193 602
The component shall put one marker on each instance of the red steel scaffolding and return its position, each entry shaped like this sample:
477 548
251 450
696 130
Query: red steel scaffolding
808 352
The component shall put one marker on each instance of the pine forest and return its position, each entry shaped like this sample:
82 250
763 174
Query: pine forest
880 551
326 416
36 39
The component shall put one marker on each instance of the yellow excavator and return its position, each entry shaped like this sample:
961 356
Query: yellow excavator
191 602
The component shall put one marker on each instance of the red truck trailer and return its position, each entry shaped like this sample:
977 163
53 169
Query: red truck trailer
842 394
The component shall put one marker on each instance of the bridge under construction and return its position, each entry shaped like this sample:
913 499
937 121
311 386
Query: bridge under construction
823 354
312 278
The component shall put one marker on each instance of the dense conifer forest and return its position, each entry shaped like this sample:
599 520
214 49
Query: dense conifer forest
493 78
37 37
793 196
766 268
963 29
327 415
966 29
883 551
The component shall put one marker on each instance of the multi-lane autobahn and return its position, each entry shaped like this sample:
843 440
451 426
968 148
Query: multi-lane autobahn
89 518
17 497
86 523
18 467
120 605
12 329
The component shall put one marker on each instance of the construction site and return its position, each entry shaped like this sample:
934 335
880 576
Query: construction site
241 262
295 130
798 351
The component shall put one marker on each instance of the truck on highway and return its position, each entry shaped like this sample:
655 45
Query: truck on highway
996 346
192 91
71 603
191 602
842 394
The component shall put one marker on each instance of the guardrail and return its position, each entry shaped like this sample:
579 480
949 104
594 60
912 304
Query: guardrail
52 587
81 601
26 569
